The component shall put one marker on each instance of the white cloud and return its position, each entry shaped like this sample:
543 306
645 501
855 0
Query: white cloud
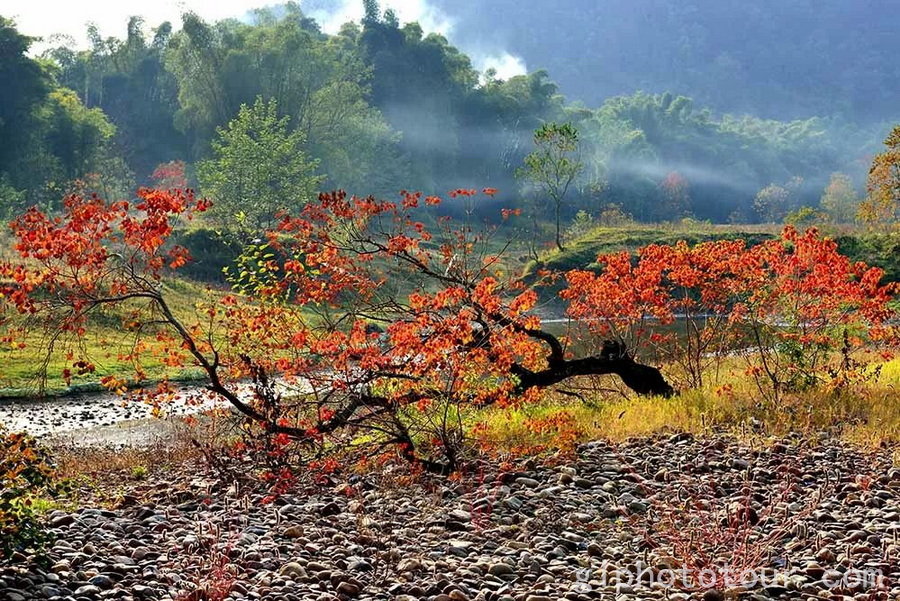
506 65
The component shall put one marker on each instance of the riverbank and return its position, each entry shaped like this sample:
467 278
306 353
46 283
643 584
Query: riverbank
867 413
104 417
810 513
88 387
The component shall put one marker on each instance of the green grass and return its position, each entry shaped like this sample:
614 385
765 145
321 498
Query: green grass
104 344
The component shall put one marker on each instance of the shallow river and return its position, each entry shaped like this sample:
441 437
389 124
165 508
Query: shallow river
96 417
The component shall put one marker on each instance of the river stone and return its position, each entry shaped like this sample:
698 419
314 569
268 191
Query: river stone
458 515
348 588
501 569
292 570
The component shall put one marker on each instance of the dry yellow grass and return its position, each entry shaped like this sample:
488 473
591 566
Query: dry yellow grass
865 413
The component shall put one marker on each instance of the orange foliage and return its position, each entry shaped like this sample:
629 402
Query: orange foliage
795 289
406 366
882 204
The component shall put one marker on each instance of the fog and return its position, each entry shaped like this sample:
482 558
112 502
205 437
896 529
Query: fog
696 175
769 58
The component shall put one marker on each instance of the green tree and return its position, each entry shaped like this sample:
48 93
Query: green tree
195 56
259 167
839 199
128 80
643 137
26 84
76 135
421 84
774 202
882 203
553 166
771 202
321 82
50 137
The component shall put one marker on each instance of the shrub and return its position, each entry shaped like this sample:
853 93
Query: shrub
25 471
211 251
805 217
791 304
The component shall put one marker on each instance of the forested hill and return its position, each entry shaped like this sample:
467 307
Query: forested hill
771 58
383 105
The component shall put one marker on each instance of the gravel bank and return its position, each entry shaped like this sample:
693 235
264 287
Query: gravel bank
584 529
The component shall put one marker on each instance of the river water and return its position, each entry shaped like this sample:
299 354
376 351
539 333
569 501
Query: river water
99 418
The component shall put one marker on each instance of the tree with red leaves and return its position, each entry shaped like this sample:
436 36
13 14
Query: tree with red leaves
351 317
355 323
788 302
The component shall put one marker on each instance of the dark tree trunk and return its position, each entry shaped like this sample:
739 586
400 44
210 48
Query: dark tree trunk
643 379
613 360
559 227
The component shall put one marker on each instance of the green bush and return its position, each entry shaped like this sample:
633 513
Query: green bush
210 250
879 250
25 473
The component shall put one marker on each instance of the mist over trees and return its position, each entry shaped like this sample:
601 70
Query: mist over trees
382 106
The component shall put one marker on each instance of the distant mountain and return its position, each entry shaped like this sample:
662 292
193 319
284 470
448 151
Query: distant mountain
781 59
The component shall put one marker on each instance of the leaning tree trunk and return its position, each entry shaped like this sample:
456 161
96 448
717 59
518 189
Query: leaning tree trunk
614 359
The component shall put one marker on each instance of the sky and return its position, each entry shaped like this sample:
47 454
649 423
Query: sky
43 18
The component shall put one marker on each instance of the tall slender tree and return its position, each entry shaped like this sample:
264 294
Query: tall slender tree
553 166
